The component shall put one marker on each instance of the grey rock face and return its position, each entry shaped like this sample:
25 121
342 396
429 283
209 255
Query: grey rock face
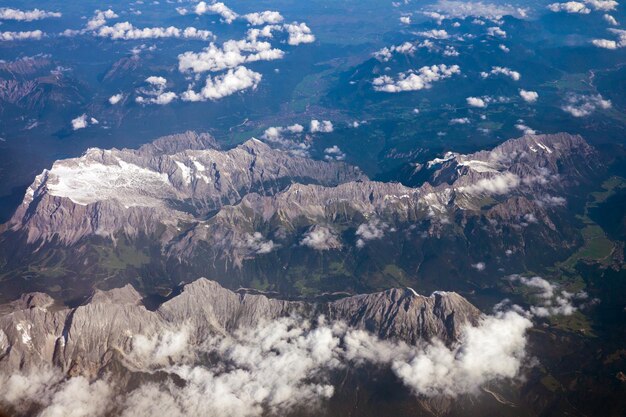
82 340
182 178
192 199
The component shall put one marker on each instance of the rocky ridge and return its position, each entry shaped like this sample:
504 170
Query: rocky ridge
82 340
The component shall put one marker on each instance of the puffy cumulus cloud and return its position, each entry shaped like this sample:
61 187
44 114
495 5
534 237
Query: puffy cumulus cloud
7 13
80 122
476 102
321 238
569 7
372 230
605 43
162 98
386 53
405 20
288 138
529 96
495 31
263 18
493 350
127 31
583 105
612 44
504 48
116 98
232 54
334 153
603 5
156 81
275 133
553 301
100 18
434 34
584 7
324 126
497 184
299 33
21 36
507 72
463 9
220 86
415 80
156 94
219 8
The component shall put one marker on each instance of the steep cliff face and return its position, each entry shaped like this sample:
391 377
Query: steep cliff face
81 341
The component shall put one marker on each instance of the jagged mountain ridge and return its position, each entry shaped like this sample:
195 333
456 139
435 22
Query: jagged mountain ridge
35 332
258 207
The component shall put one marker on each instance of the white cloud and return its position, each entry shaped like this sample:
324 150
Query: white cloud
610 20
299 33
372 230
583 105
263 18
156 81
476 102
479 266
529 96
464 9
325 126
386 53
295 128
257 244
220 8
460 121
504 48
405 20
100 18
497 184
156 94
610 44
163 98
20 36
415 80
570 7
603 5
126 31
321 238
496 32
233 81
116 98
334 153
553 301
232 54
527 130
514 75
277 366
434 34
7 13
493 350
80 122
